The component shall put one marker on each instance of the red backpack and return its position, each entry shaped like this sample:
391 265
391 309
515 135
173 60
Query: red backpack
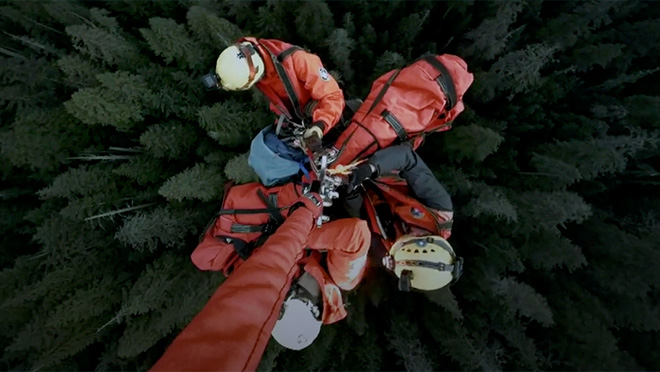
250 213
407 104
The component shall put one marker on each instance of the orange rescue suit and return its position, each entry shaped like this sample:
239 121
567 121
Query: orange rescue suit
310 81
232 331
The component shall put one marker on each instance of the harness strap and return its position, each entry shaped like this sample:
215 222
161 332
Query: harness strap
271 205
395 124
301 164
404 281
242 248
427 264
248 51
286 80
381 94
444 80
247 211
446 225
240 228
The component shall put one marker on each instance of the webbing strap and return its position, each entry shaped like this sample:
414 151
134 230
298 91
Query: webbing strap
286 81
382 91
240 228
444 80
395 124
446 225
242 248
301 164
427 264
271 204
246 211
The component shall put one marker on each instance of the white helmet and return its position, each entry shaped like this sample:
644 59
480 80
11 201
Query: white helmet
300 318
239 67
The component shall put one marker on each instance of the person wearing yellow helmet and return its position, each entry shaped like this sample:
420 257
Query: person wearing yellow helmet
299 88
410 214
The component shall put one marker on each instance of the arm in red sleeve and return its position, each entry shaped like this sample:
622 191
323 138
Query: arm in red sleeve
323 88
234 327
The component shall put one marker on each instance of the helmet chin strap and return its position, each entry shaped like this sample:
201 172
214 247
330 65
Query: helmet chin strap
248 51
404 280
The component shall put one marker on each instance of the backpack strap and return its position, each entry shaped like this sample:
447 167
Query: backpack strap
444 80
286 81
271 205
244 249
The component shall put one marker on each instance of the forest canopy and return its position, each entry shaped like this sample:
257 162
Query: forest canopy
113 159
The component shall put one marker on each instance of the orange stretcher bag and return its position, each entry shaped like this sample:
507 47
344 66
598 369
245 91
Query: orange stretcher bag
407 104
250 213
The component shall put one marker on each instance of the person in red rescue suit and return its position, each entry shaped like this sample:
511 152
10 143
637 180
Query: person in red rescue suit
294 80
346 240
249 215
410 216
232 331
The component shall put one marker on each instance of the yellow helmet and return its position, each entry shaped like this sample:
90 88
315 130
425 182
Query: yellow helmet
239 67
424 262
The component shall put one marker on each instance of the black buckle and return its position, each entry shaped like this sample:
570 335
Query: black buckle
269 227
404 281
457 271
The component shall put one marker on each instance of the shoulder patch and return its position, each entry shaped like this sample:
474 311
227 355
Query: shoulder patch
323 73
416 213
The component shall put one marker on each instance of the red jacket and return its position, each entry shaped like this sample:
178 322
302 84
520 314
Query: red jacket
310 81
232 330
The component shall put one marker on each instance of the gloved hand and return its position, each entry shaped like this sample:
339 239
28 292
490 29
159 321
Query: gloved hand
359 175
313 136
310 200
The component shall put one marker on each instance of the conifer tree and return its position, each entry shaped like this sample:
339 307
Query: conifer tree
386 62
490 38
104 42
107 180
225 122
340 46
455 143
121 101
171 41
518 71
145 230
216 32
314 21
202 182
239 171
409 29
168 140
489 201
41 140
78 72
404 341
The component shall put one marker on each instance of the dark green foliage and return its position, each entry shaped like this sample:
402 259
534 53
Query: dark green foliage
171 41
226 123
169 140
147 230
113 158
120 101
238 170
202 182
